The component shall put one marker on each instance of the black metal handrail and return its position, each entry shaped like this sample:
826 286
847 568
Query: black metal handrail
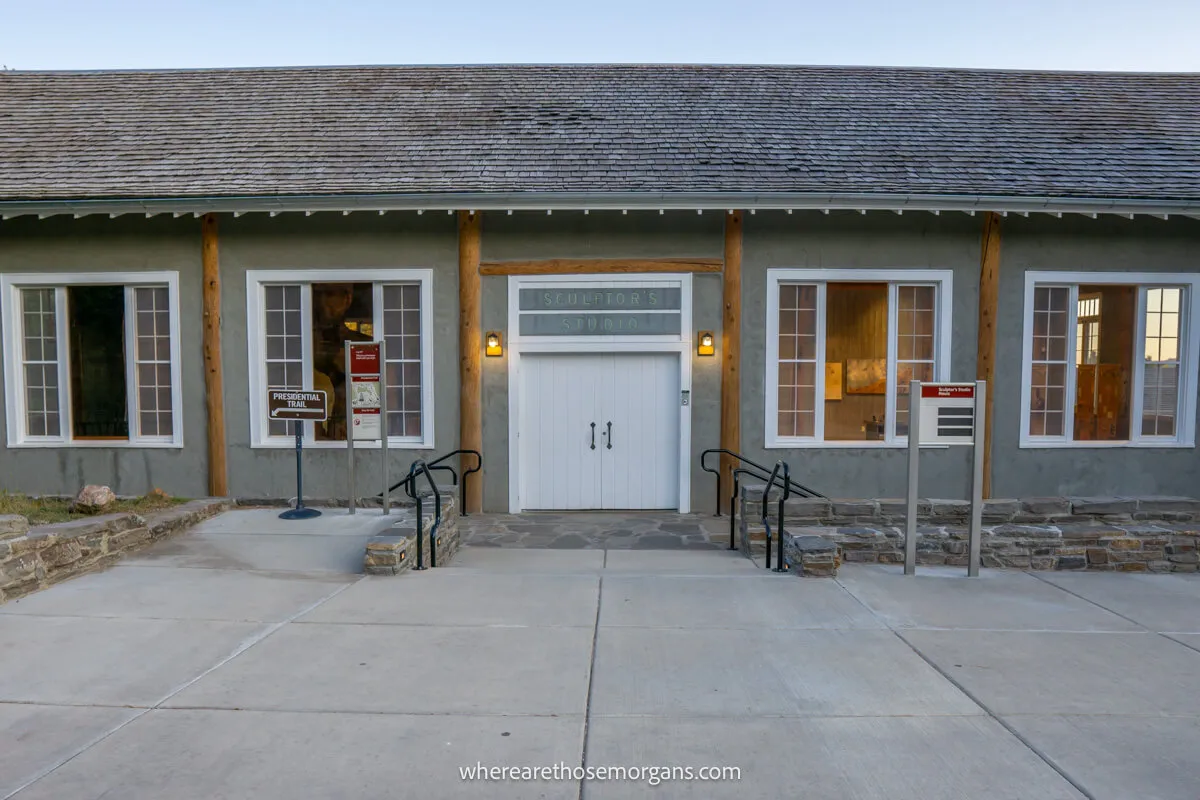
437 464
784 495
419 467
800 489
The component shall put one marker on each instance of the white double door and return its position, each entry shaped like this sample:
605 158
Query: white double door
600 431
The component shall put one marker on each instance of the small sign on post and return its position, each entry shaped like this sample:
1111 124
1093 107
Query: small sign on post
366 407
298 406
942 414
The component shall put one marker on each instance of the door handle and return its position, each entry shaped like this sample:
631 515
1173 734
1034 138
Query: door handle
609 445
593 436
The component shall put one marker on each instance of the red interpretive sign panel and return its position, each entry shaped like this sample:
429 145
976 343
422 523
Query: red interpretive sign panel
959 390
366 388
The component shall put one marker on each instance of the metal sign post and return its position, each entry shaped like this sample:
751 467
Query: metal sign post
366 407
383 427
942 414
975 532
914 462
298 407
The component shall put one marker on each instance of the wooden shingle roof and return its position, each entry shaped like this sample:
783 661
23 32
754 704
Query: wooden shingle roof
547 129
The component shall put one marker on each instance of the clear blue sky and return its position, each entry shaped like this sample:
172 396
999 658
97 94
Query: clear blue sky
1041 34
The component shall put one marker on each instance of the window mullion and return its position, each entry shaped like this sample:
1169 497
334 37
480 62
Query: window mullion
378 334
62 330
306 357
1185 415
132 396
1072 379
1137 383
890 388
772 365
819 368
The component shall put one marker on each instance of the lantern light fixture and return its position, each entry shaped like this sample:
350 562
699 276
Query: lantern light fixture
495 346
706 346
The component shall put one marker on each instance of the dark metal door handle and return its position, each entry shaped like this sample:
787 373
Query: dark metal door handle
593 436
609 445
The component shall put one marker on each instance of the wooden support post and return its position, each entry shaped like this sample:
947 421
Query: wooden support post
731 349
470 347
214 381
985 358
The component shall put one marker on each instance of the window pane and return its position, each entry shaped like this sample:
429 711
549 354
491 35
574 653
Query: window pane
153 372
856 324
40 357
99 384
797 359
1160 369
914 345
402 328
283 345
341 312
1048 352
1054 423
1106 325
787 421
905 373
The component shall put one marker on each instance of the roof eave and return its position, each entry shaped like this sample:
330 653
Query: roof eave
615 201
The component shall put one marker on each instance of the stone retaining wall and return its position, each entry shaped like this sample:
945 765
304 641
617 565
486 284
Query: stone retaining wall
395 551
33 558
1109 534
890 511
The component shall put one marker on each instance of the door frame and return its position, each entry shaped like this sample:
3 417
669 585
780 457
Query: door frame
518 346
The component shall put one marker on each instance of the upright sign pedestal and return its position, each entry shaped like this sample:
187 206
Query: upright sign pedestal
366 408
298 407
941 414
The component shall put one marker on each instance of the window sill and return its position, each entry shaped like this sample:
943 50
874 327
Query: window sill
811 445
1033 444
118 444
289 443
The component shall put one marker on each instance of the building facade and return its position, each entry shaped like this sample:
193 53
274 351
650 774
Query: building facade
833 233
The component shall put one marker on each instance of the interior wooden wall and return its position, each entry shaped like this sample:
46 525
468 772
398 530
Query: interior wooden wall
1105 414
856 327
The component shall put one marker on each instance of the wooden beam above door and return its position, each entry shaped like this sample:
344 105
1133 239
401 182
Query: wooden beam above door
587 266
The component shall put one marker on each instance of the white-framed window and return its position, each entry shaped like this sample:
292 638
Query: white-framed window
842 347
1109 359
92 359
298 322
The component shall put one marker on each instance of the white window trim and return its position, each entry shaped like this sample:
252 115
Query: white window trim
943 279
1189 357
256 279
14 380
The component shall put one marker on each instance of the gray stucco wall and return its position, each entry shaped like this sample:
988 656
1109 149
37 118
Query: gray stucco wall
849 240
772 239
332 241
125 244
607 234
1078 243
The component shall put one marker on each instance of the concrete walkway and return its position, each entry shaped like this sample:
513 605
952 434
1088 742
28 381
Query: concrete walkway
235 664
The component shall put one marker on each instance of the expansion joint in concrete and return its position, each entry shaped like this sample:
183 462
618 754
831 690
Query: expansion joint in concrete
587 709
241 648
1114 612
1050 762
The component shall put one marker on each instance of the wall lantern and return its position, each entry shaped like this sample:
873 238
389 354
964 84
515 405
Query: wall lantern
494 346
706 346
